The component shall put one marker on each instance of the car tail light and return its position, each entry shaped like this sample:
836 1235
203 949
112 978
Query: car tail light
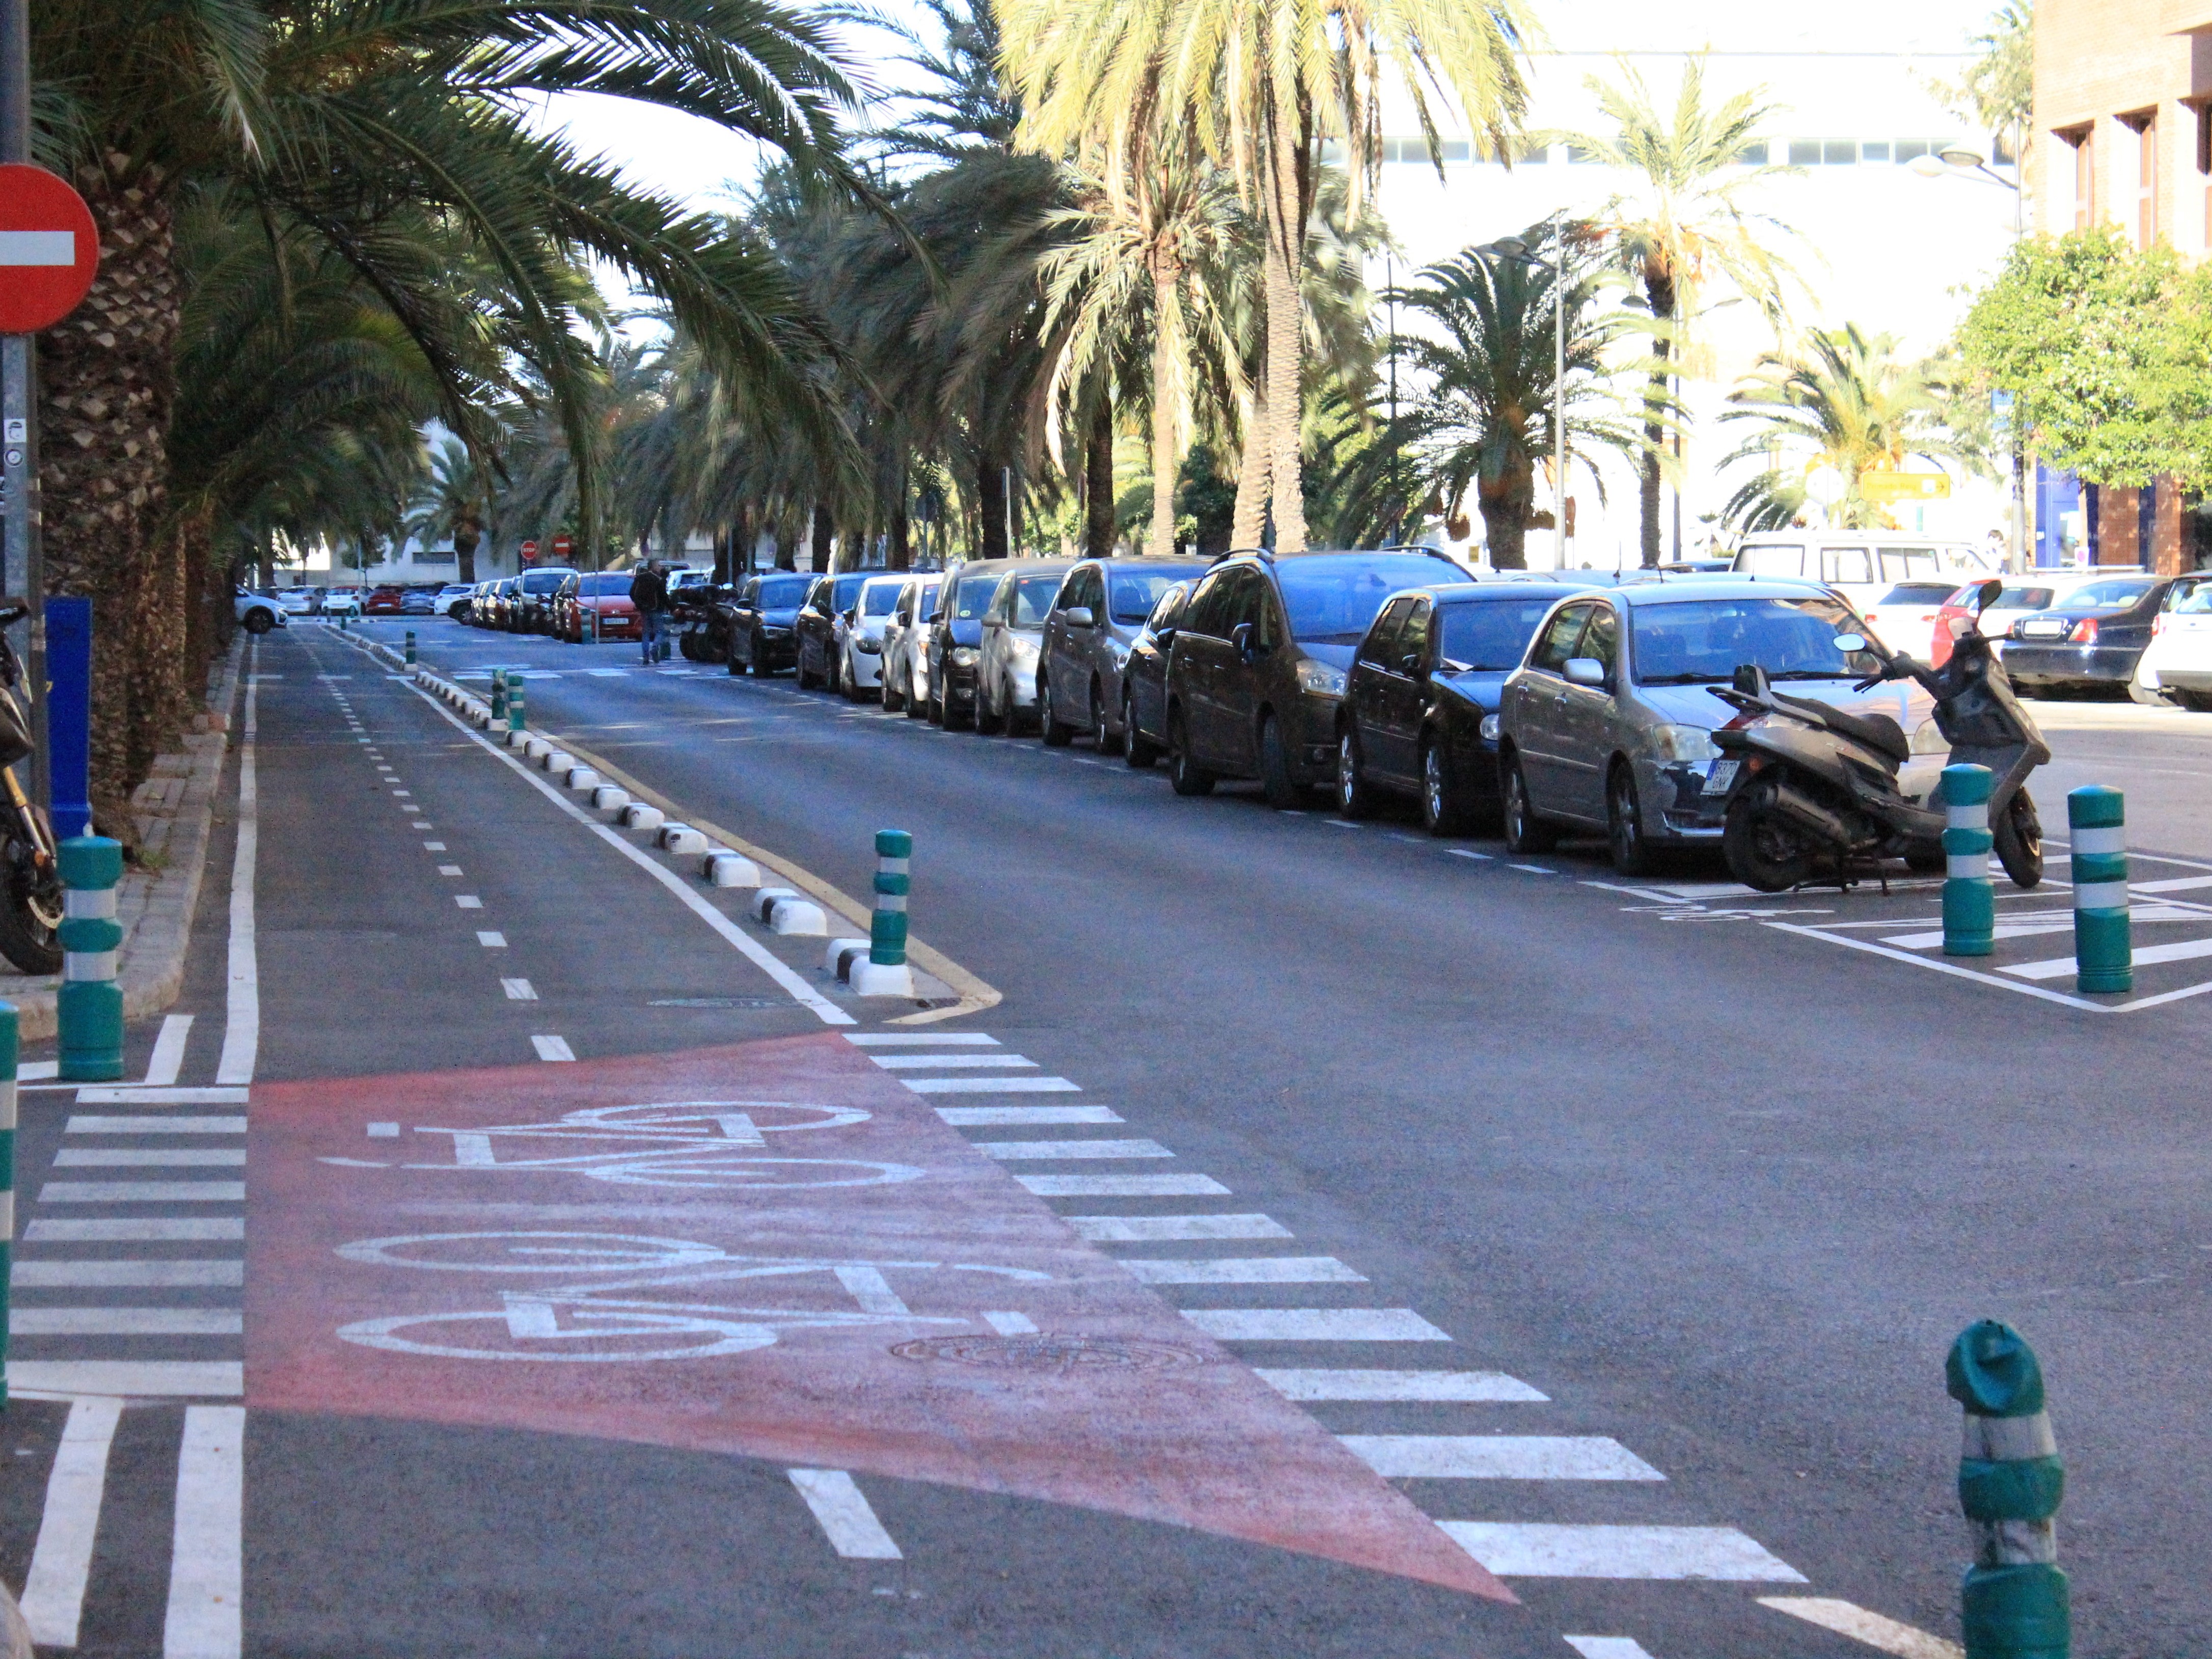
2084 632
2158 625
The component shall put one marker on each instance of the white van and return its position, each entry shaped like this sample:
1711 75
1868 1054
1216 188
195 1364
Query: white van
1863 565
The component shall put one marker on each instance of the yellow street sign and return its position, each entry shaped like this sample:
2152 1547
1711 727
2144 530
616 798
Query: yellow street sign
1904 486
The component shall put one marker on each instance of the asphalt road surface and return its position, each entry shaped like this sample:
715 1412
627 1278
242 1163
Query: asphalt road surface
1455 1254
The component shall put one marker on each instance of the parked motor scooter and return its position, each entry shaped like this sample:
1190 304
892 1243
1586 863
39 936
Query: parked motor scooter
30 874
1817 792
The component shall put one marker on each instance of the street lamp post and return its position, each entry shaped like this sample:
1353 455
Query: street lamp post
1513 248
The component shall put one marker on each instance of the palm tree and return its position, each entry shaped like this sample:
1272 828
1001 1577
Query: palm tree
1846 401
1684 230
1262 84
452 500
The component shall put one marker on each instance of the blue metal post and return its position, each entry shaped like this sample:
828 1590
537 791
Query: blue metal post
69 713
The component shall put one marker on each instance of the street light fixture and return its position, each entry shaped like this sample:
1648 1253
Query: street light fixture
1514 249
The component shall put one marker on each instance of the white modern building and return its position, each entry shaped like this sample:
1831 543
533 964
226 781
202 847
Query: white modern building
1856 96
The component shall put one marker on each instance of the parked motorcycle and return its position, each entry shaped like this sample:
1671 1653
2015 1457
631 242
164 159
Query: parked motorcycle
30 874
1816 792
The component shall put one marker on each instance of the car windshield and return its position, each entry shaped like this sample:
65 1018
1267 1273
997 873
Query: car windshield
1033 598
844 591
1918 593
1169 611
879 600
1333 601
973 597
544 582
1703 641
607 587
784 593
1489 635
1137 592
2108 596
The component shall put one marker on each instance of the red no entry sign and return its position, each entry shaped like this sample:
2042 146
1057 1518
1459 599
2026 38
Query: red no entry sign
561 547
49 249
529 551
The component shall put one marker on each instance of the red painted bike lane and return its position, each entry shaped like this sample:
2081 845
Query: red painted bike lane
773 1250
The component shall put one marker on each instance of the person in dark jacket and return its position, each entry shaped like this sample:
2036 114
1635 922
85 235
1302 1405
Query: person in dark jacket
648 592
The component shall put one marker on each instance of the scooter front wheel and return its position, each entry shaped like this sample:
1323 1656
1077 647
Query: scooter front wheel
2018 833
1765 851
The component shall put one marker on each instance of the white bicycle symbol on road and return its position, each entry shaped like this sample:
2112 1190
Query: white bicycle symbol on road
683 1143
604 1320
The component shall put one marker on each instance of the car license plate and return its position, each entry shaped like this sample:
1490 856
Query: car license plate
1719 775
2043 630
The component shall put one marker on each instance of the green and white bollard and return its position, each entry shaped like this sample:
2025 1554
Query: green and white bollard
886 973
515 718
89 1007
2104 948
2015 1603
498 695
7 1055
1970 901
411 647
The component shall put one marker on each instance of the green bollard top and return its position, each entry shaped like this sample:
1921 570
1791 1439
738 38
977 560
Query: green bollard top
2093 806
1992 1372
1967 784
894 844
9 1045
91 861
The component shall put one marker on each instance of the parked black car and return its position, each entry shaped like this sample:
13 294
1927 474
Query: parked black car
814 655
955 638
1145 679
2091 640
763 620
1259 663
529 608
1423 686
1087 639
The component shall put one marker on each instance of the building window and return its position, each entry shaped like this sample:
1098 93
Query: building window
1875 149
1752 155
1840 152
2204 164
2085 175
1804 152
2145 128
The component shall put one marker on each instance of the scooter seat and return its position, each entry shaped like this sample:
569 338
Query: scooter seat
1877 731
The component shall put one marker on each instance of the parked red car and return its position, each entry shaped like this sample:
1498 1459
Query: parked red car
601 595
383 602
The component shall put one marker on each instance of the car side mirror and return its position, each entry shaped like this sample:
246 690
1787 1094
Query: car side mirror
1079 616
1411 662
1241 637
1585 670
935 617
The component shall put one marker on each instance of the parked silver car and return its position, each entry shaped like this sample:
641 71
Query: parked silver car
859 636
1012 642
1102 607
905 676
1608 723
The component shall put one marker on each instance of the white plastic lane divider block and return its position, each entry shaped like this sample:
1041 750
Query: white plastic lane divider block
1245 1270
798 918
580 778
608 799
638 816
1315 1325
555 760
723 868
764 902
1523 1549
534 748
1446 1386
845 1516
682 839
1498 1457
837 957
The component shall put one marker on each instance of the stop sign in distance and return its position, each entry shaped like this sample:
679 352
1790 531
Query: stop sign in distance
49 249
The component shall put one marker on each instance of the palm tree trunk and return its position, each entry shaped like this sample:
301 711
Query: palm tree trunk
822 531
1166 280
1249 521
1505 504
1286 240
990 503
466 538
1660 290
1098 479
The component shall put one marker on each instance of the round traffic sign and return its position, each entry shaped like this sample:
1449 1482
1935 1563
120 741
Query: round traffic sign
49 249
529 551
562 546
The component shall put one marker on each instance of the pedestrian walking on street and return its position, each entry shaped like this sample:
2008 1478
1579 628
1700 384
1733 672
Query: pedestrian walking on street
648 592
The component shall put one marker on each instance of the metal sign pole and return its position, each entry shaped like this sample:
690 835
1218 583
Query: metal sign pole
19 409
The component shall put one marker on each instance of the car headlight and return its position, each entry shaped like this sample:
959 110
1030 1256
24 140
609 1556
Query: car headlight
862 643
1490 728
772 630
1320 679
1928 739
964 656
1682 743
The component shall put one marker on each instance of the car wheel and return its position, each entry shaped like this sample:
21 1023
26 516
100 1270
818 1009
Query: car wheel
2018 833
258 622
893 702
1445 807
1102 736
1138 751
1355 799
1277 781
989 721
761 669
1765 851
1524 831
1185 777
1056 735
1623 820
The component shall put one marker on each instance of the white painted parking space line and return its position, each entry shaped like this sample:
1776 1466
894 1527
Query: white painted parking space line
1455 1386
169 1056
1552 1550
468 901
126 1321
207 1566
142 1192
71 1275
147 1157
990 1085
36 1071
843 1513
61 1562
166 1379
1464 852
449 869
909 1062
552 1048
134 1230
2177 885
1244 1270
1115 1186
2051 921
518 990
921 1040
1498 1457
1534 869
973 1117
241 1035
1314 1325
156 1126
1008 1324
1846 1619
123 1094
2061 967
383 1131
1151 1229
1016 1151
491 941
1607 1647
434 846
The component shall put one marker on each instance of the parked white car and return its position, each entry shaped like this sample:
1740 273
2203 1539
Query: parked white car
2176 667
259 612
1864 565
860 636
341 602
451 594
906 632
297 601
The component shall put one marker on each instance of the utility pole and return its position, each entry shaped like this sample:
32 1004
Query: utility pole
19 409
1559 383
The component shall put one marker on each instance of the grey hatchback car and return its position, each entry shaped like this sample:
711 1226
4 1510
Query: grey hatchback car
1608 724
1095 622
